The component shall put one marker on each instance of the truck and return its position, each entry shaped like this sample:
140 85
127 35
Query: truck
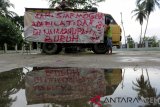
70 29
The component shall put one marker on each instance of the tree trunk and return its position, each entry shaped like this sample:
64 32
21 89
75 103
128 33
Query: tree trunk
146 28
141 37
148 77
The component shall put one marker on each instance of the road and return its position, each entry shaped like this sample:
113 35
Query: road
118 59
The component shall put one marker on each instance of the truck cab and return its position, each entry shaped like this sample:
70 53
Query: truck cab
116 31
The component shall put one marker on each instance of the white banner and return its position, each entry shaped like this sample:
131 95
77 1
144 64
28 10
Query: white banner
64 27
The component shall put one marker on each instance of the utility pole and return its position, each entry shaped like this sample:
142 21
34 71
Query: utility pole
123 30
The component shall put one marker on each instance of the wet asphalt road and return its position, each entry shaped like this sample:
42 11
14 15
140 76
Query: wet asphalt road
119 59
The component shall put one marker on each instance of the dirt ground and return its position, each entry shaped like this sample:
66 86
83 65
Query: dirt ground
119 59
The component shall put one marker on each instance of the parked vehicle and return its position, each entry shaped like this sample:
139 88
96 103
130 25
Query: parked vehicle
71 29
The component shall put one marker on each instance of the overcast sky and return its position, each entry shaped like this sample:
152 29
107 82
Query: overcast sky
113 7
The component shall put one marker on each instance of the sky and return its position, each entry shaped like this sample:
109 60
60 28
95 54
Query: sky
113 7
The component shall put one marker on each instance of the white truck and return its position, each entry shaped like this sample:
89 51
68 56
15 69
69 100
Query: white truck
72 29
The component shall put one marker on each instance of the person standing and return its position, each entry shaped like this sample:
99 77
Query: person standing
109 36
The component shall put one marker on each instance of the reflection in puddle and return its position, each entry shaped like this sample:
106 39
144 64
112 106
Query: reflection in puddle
79 87
69 86
11 82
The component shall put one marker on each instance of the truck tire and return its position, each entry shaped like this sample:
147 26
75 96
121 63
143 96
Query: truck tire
51 48
100 48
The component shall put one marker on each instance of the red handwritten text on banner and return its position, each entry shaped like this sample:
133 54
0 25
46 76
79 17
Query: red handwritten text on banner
64 27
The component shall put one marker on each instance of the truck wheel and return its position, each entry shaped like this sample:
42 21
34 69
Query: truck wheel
100 48
51 48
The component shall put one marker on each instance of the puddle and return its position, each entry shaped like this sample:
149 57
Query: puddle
79 87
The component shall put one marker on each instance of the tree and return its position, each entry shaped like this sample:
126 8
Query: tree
153 42
140 15
78 4
19 21
10 24
150 6
4 5
145 90
9 32
130 41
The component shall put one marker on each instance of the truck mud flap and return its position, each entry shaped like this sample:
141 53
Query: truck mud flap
100 48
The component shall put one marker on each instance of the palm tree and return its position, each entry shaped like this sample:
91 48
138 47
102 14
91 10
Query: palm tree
150 6
141 86
140 15
78 4
145 90
4 5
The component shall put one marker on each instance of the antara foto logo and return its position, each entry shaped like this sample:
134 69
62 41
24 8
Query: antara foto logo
96 100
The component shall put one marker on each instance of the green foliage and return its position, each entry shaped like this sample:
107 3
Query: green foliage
4 5
130 41
19 21
78 4
149 6
11 26
10 33
152 41
140 15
